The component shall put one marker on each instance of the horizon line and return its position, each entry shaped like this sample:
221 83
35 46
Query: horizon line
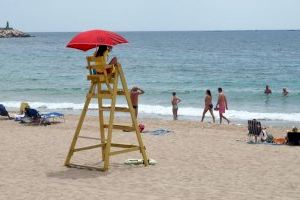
170 30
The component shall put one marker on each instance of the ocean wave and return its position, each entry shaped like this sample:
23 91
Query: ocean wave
166 111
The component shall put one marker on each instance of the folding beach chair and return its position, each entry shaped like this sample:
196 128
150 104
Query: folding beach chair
254 128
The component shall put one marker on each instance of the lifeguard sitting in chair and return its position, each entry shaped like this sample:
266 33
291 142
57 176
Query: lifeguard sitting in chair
101 56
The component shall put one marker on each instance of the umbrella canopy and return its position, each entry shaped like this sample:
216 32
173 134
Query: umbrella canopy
93 38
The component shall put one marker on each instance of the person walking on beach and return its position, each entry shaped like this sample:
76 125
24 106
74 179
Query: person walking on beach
222 105
134 95
268 90
175 101
208 106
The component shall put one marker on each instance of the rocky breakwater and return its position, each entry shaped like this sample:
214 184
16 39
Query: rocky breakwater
9 33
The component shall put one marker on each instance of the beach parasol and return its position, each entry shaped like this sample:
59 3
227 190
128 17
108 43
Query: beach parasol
93 38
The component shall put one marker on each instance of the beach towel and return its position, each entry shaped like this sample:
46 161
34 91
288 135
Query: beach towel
53 116
139 162
160 131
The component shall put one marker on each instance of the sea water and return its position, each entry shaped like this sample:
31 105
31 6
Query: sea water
42 71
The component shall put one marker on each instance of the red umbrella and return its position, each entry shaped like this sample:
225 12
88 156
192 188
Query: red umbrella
90 39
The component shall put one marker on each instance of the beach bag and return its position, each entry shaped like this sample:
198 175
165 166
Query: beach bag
279 140
293 138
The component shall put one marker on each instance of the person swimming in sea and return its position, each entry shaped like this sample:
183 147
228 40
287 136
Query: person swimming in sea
208 105
175 101
222 105
285 92
268 90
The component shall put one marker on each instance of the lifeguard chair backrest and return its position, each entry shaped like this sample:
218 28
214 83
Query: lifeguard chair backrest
94 63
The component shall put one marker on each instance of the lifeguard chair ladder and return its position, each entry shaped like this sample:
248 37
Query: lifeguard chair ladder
107 76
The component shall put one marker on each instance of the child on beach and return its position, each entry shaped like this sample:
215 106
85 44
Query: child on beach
175 101
208 106
222 105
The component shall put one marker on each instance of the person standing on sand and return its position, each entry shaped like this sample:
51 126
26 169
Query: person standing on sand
175 101
134 95
208 106
222 105
268 90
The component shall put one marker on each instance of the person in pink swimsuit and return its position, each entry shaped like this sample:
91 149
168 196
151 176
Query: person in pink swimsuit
222 105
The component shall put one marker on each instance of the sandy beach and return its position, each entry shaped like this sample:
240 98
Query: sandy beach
194 162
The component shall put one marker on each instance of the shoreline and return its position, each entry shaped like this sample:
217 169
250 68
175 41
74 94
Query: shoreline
208 119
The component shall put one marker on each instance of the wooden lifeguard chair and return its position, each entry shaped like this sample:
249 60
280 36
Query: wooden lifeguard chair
104 85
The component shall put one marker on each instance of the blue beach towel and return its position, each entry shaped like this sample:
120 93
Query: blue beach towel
159 132
53 116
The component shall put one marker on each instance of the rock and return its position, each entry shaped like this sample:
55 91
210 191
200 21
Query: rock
9 33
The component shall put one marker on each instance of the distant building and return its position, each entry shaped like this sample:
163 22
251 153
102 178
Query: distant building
7 27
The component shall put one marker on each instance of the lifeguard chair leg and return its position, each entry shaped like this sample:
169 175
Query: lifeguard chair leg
80 122
101 120
132 114
111 122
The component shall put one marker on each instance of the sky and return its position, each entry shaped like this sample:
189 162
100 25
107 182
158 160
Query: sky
150 15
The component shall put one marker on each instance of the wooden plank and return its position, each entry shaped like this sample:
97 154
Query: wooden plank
119 92
97 78
124 151
120 127
88 147
86 137
102 96
123 145
117 109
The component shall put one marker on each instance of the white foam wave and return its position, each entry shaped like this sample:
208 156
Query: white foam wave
166 110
